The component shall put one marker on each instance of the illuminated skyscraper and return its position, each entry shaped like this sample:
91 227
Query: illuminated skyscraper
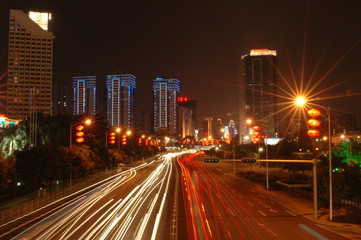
165 91
120 100
30 64
84 94
187 111
208 126
257 91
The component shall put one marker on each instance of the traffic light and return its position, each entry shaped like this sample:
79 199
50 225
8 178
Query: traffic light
314 123
79 134
124 139
249 160
112 138
211 160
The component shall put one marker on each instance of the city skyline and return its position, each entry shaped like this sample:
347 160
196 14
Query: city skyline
192 43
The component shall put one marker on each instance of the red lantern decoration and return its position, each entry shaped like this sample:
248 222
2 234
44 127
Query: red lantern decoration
256 134
314 113
256 128
314 123
112 137
313 133
79 134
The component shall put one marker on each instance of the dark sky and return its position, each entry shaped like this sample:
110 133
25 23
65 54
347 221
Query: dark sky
200 43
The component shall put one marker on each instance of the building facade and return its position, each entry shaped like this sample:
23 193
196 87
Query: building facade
84 95
165 92
258 92
208 126
120 100
30 65
187 112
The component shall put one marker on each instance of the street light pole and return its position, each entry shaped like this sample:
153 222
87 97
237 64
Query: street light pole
71 125
301 101
267 176
330 159
70 147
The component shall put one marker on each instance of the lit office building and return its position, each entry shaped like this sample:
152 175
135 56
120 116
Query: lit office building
84 95
30 64
187 112
257 91
120 100
208 127
165 91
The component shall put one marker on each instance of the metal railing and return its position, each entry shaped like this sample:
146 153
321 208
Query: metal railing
9 215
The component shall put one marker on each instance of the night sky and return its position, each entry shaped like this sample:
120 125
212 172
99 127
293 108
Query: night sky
201 42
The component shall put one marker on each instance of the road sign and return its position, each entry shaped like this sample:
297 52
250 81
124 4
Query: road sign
211 160
249 160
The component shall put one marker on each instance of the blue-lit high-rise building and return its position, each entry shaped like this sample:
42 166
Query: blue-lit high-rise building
165 91
120 100
84 95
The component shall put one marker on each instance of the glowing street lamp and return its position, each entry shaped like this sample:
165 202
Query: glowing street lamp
300 101
248 121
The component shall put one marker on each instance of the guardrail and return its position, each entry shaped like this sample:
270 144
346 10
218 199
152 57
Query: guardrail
24 209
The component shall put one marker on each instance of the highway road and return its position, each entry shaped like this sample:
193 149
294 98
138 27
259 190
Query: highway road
174 197
132 206
217 207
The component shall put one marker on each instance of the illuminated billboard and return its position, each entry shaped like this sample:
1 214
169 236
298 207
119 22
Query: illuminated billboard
41 18
263 52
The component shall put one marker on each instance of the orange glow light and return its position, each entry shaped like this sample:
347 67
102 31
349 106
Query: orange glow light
314 113
314 123
79 128
256 128
313 133
79 134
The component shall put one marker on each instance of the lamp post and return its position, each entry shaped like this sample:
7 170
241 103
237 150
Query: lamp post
301 101
118 130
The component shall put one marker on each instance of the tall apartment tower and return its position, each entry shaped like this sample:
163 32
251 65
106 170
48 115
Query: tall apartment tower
257 91
30 64
84 95
120 100
187 112
165 91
